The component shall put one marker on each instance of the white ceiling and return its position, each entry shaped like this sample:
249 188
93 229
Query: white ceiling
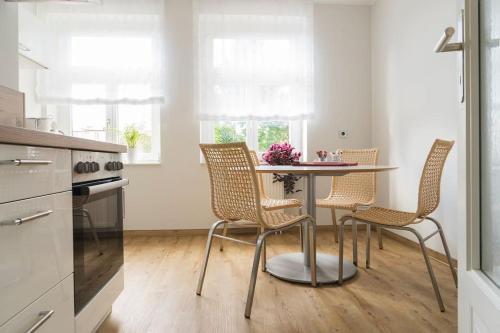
347 2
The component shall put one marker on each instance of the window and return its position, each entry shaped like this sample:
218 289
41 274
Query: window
254 71
108 122
106 72
258 135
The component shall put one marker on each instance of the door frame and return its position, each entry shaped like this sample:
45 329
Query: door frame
478 296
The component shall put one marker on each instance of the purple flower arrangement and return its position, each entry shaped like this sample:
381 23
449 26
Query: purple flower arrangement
283 154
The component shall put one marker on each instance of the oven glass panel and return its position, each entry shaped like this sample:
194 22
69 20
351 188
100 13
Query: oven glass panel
97 241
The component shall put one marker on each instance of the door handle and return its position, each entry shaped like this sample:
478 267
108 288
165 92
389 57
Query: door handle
443 44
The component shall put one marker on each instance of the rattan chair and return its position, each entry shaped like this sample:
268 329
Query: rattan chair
428 201
267 202
353 191
236 200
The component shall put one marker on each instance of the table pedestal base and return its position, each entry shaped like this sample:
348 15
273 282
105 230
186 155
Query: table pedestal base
290 267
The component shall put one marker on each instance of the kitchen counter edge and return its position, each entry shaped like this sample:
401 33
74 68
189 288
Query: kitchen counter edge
22 136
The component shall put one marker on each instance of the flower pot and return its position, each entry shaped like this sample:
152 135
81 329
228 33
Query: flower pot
132 155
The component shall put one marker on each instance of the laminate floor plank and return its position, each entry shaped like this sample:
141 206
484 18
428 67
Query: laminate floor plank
394 295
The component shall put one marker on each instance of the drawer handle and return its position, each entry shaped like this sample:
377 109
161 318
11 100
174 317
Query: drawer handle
22 220
18 162
44 316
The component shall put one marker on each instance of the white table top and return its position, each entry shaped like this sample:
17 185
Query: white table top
322 170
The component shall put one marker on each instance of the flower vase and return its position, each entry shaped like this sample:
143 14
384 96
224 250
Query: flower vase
132 155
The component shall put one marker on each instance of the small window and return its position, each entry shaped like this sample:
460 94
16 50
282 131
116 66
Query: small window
258 135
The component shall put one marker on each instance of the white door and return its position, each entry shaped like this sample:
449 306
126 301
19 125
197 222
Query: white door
479 170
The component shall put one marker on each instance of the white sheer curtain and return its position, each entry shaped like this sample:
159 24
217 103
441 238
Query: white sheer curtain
254 59
103 54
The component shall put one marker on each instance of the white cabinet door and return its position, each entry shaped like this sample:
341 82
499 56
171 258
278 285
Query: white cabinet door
51 313
479 170
34 255
27 172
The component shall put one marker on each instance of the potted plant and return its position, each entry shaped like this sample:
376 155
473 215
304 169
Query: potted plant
283 154
133 137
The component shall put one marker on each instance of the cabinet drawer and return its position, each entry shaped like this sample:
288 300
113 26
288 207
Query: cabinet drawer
34 255
27 172
53 312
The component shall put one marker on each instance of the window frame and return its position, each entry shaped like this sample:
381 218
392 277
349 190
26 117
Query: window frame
64 115
297 134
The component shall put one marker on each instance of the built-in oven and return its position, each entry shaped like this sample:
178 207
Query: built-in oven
98 212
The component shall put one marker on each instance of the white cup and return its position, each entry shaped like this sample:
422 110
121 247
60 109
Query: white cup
30 123
44 124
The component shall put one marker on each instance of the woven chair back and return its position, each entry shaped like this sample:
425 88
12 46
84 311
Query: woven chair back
360 186
234 186
430 181
260 179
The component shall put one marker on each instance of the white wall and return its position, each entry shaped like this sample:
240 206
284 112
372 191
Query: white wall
414 102
8 45
175 194
342 85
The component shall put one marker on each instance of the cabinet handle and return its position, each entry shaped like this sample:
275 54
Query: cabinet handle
18 162
44 316
22 220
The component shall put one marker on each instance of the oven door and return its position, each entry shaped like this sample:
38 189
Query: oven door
97 236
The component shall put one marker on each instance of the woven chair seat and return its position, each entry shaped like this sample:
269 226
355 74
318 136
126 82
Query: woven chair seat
340 201
272 204
385 216
275 220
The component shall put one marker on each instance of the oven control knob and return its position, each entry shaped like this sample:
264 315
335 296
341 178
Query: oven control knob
120 166
116 166
87 167
94 167
80 167
109 166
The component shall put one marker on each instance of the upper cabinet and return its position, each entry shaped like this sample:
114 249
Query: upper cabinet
33 38
8 48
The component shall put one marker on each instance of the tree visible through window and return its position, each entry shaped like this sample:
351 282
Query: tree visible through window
262 134
270 132
230 131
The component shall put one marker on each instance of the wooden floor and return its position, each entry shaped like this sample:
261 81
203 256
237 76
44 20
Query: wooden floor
395 295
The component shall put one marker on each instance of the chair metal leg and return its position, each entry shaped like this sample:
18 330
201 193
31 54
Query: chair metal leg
380 241
429 269
446 249
207 254
341 252
335 227
312 238
301 239
224 233
354 226
263 256
253 277
368 241
300 232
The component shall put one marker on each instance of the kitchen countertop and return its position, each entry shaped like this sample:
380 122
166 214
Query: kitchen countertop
22 136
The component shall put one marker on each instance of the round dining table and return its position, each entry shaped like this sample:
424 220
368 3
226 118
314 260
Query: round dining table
296 267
